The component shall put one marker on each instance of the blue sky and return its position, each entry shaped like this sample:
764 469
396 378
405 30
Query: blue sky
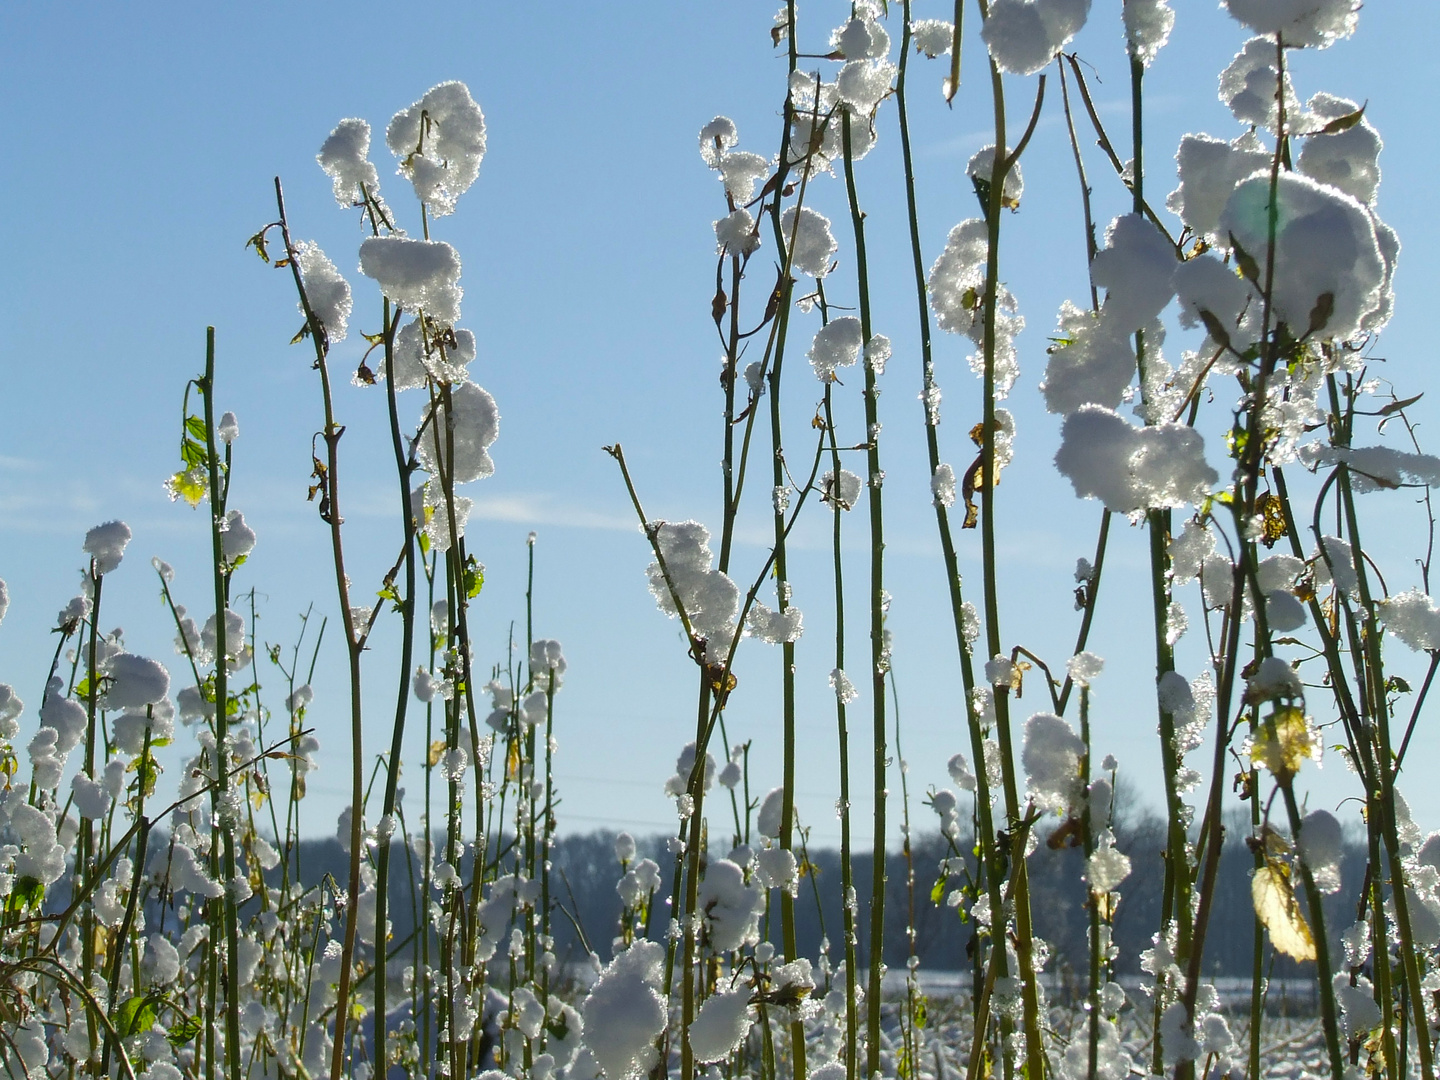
141 146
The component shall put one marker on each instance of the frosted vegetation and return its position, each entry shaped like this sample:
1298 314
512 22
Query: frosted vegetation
161 940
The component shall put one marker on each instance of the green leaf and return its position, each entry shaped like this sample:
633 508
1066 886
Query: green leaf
82 688
1396 685
194 454
474 577
184 1031
258 243
135 1014
195 428
25 893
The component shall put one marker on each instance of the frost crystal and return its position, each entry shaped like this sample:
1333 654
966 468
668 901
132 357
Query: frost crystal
228 429
767 821
1137 270
1209 170
134 682
837 344
942 485
844 689
1147 27
440 141
1107 867
1024 35
981 166
716 137
1301 23
845 494
957 296
418 356
731 907
345 157
1130 468
721 1025
1247 86
106 545
416 274
326 289
1084 667
1374 468
456 437
237 539
1413 618
1189 550
1325 246
740 171
624 1011
775 627
808 235
877 353
711 600
1337 564
1348 159
1052 762
960 773
1093 362
1204 284
1322 846
933 37
862 83
1275 678
736 234
10 709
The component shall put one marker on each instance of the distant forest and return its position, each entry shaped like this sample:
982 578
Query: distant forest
585 870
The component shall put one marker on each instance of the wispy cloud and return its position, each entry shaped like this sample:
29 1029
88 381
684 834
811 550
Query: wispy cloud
546 508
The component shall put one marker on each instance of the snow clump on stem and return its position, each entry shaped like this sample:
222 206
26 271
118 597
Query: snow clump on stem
440 141
463 431
416 274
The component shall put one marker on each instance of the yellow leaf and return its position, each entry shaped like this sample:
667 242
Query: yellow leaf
437 751
1277 908
188 485
1283 740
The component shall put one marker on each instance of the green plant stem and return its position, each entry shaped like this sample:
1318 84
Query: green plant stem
220 798
847 870
331 434
404 469
1035 1061
787 663
992 856
879 660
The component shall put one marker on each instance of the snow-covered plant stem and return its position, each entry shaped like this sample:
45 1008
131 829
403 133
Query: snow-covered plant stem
992 855
1175 910
220 802
780 481
879 653
1035 1061
787 648
329 481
